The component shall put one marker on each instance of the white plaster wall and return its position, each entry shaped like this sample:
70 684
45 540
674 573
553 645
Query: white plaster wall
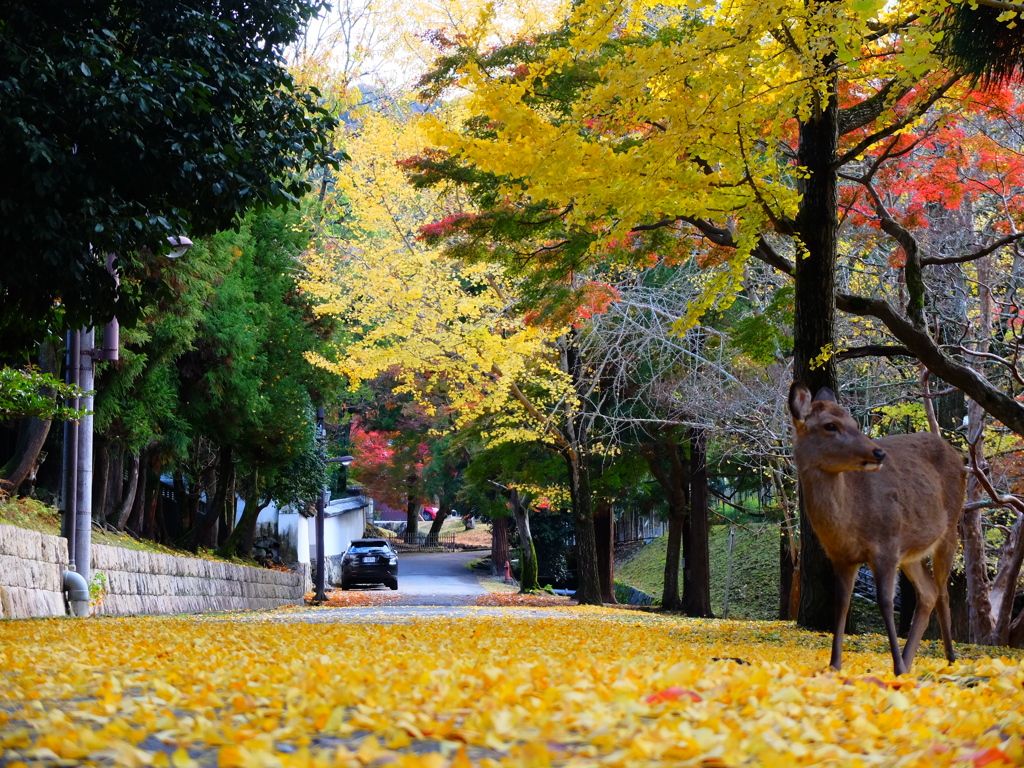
293 532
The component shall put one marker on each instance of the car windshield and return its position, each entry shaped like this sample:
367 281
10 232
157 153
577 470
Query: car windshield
362 547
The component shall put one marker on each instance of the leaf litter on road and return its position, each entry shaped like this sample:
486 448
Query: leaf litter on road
595 686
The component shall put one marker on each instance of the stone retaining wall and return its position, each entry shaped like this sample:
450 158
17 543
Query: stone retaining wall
151 583
31 566
31 569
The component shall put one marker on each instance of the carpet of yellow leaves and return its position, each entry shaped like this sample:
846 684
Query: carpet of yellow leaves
585 687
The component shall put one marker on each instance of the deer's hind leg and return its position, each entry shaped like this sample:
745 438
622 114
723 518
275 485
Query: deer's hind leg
885 588
927 596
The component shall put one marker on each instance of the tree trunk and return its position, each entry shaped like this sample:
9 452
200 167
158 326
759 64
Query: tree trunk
499 546
229 509
434 534
528 567
205 528
785 576
412 519
671 598
604 532
817 225
697 572
101 478
128 502
588 585
137 514
239 541
151 499
675 485
32 432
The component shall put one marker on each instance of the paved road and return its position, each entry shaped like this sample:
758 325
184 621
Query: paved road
438 579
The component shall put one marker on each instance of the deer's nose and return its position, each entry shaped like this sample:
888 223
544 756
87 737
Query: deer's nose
878 453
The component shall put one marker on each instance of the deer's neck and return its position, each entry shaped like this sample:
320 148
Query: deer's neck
826 499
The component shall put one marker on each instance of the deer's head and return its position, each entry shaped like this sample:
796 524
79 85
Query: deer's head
827 437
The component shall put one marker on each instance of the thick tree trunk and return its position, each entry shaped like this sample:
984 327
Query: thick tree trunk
604 532
32 432
434 534
697 572
128 502
499 546
817 226
588 585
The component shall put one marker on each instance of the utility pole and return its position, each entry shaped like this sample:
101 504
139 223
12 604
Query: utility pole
320 595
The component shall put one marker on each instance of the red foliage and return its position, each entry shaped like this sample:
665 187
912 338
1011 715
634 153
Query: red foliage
673 693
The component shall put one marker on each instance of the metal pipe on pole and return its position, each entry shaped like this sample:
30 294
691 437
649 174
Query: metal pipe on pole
83 522
320 594
70 485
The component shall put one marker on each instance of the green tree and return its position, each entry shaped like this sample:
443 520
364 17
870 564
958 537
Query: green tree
126 122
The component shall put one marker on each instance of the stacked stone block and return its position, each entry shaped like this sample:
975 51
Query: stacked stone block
151 583
31 570
138 583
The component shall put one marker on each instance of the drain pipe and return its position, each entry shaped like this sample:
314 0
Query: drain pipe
77 591
74 585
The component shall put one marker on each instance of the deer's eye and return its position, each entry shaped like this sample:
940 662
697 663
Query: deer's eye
831 427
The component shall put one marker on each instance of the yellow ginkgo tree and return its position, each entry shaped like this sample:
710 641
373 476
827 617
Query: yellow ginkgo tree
452 334
734 124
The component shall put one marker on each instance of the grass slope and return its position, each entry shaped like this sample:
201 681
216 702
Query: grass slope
753 585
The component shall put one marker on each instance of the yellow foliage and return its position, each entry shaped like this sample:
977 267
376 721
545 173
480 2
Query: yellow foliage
581 686
448 331
692 126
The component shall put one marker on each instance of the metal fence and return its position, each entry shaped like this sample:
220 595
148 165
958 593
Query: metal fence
444 543
638 526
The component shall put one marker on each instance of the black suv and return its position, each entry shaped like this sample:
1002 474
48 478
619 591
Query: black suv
369 561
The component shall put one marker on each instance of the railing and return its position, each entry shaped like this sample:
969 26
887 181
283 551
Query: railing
635 526
446 542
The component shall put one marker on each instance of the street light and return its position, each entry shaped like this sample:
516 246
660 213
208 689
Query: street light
80 370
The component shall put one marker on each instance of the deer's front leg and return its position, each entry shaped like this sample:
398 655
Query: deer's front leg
845 576
885 587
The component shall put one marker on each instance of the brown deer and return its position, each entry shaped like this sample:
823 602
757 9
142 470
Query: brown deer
889 502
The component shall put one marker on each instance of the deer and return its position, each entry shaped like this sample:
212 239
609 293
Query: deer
890 502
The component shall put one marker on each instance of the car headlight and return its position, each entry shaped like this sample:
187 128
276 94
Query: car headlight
393 561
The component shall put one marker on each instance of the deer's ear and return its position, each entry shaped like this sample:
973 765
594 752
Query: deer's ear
827 395
799 402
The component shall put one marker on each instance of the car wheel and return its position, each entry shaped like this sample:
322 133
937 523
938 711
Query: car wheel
394 584
345 585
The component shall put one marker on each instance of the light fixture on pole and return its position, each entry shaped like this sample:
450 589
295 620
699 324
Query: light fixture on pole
179 245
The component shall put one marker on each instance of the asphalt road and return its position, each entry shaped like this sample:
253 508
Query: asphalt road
441 578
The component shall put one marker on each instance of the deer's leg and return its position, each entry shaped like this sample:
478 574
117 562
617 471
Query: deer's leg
885 587
942 564
927 595
845 576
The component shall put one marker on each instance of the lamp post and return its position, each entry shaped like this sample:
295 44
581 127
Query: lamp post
320 593
80 369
